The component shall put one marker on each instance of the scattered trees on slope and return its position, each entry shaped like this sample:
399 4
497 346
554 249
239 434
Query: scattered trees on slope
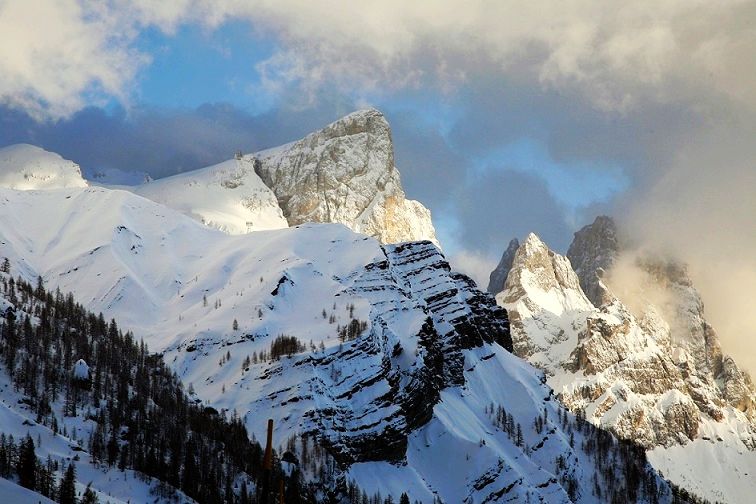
142 417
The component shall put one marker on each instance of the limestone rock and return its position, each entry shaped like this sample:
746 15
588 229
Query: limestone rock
654 374
345 174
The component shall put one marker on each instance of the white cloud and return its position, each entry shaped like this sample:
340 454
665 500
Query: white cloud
703 210
57 55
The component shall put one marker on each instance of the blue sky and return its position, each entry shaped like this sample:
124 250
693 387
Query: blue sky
196 66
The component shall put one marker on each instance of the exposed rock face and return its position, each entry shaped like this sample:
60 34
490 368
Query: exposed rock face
499 276
592 252
345 174
540 292
655 374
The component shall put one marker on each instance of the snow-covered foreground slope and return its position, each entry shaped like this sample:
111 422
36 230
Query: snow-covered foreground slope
11 492
399 367
27 167
653 374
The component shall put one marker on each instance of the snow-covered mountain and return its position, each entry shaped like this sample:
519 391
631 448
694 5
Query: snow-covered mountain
398 366
26 167
641 362
343 173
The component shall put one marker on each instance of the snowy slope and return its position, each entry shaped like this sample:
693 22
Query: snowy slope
228 196
11 492
408 403
27 167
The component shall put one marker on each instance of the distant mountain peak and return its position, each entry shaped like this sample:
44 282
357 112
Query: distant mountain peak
28 167
640 360
345 173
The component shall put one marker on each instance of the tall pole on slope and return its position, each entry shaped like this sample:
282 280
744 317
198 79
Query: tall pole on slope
268 464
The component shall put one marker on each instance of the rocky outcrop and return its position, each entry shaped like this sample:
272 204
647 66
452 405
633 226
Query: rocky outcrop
345 174
593 252
540 293
499 275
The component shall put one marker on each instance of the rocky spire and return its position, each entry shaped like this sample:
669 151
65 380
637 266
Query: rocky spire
654 373
592 252
499 276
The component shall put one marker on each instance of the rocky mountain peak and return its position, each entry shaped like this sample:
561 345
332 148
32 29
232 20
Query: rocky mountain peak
540 289
536 267
345 173
655 373
499 276
593 251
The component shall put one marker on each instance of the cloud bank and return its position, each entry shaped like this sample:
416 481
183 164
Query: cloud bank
65 52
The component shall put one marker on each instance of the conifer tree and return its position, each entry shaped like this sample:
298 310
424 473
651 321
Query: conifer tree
89 497
67 492
27 464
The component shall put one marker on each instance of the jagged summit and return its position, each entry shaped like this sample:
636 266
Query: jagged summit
592 252
536 267
345 173
499 276
540 290
28 167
